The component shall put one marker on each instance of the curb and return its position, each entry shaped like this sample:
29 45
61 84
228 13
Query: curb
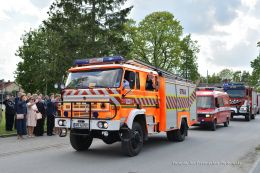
253 169
8 135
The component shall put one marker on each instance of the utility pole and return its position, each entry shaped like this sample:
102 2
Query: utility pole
207 78
2 96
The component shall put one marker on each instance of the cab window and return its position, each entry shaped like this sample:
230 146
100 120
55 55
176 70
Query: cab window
149 82
220 102
129 80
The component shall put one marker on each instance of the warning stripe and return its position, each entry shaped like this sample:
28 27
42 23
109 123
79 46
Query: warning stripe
180 102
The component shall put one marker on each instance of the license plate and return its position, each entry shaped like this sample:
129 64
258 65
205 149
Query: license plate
81 125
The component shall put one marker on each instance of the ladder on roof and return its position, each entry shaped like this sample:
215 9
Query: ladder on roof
146 65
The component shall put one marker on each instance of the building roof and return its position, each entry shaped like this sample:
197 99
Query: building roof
6 84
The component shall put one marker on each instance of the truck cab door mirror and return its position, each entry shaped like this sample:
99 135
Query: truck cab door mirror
217 105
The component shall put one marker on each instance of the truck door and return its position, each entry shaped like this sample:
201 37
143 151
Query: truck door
221 115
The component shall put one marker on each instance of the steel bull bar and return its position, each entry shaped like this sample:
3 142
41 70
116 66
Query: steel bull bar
64 130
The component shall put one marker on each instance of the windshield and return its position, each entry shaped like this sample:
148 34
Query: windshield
108 78
236 93
205 102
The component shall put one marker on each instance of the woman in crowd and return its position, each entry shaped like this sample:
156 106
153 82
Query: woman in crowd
21 111
31 116
39 129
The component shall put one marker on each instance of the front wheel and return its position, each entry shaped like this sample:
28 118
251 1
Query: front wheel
132 142
178 135
79 142
248 117
214 125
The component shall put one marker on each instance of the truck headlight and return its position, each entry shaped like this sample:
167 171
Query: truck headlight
207 115
60 123
102 125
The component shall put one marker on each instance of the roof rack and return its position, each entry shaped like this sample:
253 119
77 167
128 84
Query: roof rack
149 66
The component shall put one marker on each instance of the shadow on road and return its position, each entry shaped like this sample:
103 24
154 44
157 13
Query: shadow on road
114 150
206 128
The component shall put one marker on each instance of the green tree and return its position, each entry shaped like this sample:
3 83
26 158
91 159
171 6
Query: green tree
75 29
214 79
245 77
226 74
236 76
188 67
255 78
157 39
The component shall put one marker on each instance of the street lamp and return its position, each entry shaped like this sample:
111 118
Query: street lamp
2 98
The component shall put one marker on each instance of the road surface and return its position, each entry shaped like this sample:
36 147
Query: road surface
229 149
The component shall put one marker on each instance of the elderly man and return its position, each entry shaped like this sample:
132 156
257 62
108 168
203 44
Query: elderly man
150 82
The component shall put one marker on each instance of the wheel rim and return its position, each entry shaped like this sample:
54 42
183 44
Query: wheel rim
136 139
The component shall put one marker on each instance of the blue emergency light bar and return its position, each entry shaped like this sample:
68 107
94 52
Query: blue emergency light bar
227 86
107 59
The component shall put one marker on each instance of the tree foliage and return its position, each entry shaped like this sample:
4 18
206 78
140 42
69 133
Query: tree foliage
255 78
158 39
74 29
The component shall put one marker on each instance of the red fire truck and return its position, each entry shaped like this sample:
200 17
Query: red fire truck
243 100
212 107
258 103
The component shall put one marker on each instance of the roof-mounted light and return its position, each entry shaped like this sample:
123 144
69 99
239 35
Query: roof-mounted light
107 59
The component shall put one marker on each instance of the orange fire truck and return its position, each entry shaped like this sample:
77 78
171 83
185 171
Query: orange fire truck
117 100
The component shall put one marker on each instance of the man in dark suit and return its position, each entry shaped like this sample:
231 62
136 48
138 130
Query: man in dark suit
9 113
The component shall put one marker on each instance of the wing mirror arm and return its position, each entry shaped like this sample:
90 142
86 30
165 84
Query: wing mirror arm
123 95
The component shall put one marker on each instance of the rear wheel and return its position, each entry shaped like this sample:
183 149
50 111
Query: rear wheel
252 116
178 135
213 125
80 142
226 124
133 144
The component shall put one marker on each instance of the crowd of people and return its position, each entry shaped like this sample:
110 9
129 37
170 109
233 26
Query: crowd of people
27 113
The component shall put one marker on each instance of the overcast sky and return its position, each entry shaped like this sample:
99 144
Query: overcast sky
227 30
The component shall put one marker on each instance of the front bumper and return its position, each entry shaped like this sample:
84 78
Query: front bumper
113 125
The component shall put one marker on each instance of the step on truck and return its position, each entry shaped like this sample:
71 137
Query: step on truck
212 107
243 100
127 101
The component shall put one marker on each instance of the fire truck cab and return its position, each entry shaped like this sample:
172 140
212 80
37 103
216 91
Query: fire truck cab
212 107
243 100
117 100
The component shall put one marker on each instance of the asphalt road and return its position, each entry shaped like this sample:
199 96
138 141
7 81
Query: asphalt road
229 149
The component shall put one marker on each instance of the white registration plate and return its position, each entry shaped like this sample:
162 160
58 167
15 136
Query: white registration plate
81 125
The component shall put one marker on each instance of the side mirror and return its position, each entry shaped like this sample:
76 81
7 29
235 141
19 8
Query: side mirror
62 86
217 105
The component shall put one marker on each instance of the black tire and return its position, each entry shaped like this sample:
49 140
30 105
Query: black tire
226 124
132 146
80 142
232 117
248 117
178 135
213 126
252 116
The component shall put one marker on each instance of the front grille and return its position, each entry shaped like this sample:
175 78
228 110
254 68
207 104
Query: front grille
201 115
